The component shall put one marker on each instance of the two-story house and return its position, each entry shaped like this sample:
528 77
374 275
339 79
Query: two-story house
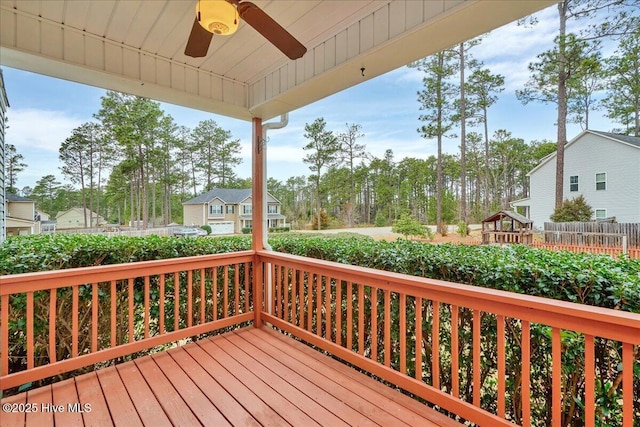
603 167
228 210
20 215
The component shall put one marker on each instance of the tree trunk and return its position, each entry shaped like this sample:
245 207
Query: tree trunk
463 142
562 103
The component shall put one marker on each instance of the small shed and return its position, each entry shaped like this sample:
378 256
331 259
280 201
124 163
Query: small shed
507 227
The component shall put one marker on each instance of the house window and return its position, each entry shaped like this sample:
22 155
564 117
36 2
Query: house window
248 223
272 209
215 209
273 223
601 181
231 209
573 183
601 213
246 209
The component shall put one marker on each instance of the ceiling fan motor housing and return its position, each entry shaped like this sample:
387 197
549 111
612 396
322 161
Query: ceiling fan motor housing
217 16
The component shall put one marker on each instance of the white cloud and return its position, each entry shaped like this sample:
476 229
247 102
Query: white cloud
33 129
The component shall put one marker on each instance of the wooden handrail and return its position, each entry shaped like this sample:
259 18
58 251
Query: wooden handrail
312 297
109 302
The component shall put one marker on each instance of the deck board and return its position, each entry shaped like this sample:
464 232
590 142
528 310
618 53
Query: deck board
65 393
249 377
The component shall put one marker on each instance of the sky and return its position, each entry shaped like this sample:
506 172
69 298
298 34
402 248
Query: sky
44 111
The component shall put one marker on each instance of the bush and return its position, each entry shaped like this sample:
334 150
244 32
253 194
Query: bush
206 228
408 226
463 229
324 221
246 230
573 210
279 229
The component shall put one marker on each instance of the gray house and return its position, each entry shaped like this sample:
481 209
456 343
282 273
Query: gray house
603 167
228 211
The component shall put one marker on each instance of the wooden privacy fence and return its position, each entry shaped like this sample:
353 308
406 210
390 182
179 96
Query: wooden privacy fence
592 233
614 251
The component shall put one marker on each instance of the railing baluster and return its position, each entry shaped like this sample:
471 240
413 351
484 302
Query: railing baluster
319 282
276 293
189 313
418 343
374 324
477 320
114 294
403 333
176 301
94 317
282 281
225 296
360 319
387 328
291 283
203 296
310 287
161 304
74 321
327 308
131 298
53 293
556 381
627 384
435 344
214 282
349 325
338 322
30 349
4 335
501 366
247 299
301 296
526 373
147 305
236 287
455 361
589 381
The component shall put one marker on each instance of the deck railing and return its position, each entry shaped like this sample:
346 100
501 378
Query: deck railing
59 321
490 357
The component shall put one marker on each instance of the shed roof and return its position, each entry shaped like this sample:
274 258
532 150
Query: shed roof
510 214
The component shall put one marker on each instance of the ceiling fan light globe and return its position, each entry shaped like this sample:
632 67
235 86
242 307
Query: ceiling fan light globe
217 16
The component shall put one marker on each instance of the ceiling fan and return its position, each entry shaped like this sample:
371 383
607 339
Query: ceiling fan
221 17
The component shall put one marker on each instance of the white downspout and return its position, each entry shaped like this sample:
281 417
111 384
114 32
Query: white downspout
284 120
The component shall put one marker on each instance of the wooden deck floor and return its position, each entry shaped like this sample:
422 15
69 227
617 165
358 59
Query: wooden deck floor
244 378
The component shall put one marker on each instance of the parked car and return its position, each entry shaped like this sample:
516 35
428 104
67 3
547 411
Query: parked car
186 232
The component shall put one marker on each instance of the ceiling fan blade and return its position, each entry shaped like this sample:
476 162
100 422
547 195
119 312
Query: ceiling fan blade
199 41
271 30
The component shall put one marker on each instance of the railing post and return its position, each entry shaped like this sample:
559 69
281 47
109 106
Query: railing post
257 216
625 243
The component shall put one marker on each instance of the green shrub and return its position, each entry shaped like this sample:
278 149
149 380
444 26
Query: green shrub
246 230
573 210
463 229
408 226
206 228
381 220
279 229
324 221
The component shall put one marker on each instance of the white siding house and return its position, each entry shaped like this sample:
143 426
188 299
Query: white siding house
603 167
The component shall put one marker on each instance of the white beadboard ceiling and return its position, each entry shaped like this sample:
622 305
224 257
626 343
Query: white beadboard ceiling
137 46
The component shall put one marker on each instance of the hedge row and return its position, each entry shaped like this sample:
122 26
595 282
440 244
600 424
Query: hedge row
583 278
